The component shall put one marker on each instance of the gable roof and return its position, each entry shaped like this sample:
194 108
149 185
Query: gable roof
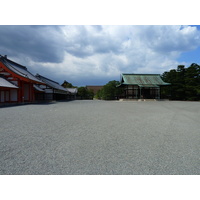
142 80
51 83
6 84
18 69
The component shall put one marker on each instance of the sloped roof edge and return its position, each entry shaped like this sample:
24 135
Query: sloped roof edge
7 84
142 80
18 69
51 83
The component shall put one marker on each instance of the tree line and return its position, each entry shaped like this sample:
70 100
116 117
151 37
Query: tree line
108 92
185 83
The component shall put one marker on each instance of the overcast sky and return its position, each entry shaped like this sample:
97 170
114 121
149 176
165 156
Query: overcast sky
94 55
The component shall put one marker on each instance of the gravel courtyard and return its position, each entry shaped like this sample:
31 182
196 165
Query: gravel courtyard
101 137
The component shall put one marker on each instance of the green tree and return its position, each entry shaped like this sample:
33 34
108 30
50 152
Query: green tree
169 77
185 82
84 93
67 85
109 91
180 82
90 94
99 94
192 80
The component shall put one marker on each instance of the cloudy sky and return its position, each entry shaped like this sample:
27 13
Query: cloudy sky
94 55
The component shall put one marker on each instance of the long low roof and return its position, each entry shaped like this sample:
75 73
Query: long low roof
18 69
142 80
6 84
51 83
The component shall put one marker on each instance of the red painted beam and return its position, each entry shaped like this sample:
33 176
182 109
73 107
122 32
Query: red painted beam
18 76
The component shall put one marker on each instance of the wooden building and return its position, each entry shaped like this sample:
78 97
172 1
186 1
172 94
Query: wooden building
52 90
8 90
16 82
141 86
71 89
72 93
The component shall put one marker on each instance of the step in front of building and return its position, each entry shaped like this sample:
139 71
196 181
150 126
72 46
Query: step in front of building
143 99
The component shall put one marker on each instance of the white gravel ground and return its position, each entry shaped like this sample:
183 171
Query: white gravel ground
101 137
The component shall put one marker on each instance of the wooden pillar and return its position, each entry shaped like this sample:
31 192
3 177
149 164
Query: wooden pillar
133 94
31 92
19 93
159 92
22 94
136 90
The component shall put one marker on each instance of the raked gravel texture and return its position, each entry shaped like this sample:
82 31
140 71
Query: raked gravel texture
101 137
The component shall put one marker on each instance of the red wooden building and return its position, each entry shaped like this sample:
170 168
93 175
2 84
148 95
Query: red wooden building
16 82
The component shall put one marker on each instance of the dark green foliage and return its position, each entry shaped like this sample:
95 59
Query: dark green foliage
109 91
67 85
185 82
84 93
99 94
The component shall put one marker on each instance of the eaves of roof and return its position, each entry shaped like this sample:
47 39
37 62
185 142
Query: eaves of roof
6 84
72 90
38 88
143 80
51 83
18 70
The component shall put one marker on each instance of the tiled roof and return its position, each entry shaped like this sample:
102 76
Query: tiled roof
143 80
51 83
18 69
38 88
5 83
72 90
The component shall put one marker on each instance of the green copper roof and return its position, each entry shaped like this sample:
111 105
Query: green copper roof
142 80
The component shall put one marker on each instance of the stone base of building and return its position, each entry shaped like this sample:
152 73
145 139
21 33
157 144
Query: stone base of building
143 99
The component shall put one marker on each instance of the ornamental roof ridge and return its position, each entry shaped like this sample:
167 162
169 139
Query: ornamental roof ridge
138 74
19 65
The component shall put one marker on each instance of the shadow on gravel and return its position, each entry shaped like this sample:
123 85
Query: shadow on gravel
45 103
25 104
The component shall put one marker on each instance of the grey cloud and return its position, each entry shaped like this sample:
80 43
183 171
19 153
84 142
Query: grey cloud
86 43
86 54
166 39
40 43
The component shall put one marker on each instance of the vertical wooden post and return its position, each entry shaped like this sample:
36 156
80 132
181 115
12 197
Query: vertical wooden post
9 95
30 92
19 93
22 91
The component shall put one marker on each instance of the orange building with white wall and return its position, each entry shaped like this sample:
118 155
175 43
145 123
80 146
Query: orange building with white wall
16 82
